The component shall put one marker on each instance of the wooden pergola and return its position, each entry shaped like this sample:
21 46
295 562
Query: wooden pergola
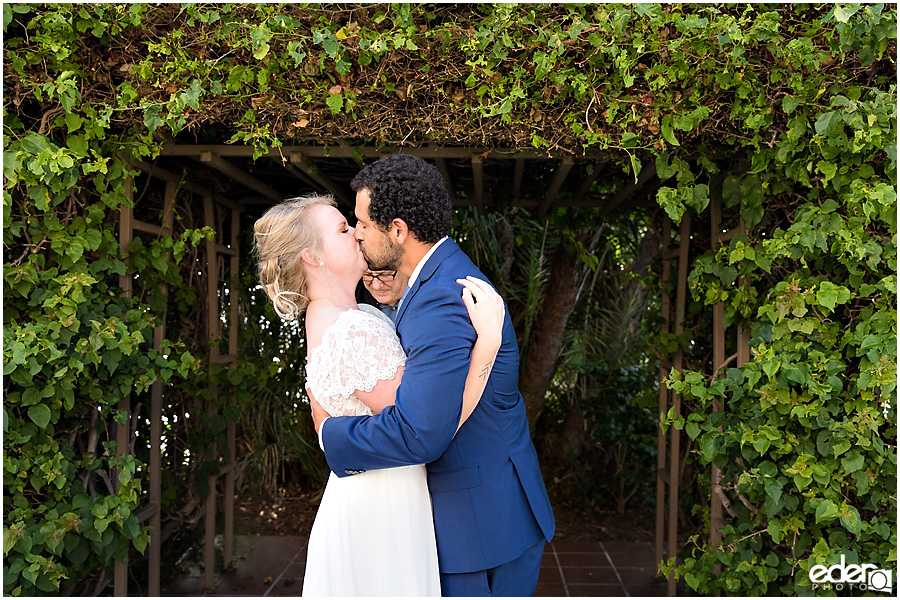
230 180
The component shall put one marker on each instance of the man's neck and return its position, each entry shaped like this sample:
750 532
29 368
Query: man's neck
412 255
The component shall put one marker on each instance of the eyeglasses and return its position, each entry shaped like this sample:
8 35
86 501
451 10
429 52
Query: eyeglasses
386 277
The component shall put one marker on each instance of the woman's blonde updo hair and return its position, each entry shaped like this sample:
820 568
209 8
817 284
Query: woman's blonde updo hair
279 237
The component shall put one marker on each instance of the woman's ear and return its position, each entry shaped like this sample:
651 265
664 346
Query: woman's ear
398 231
307 257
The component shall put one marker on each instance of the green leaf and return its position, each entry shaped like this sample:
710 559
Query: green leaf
824 442
667 130
827 122
827 511
141 541
827 169
40 415
773 489
336 103
709 445
73 122
669 199
152 119
629 139
789 104
829 295
131 527
840 447
100 524
768 469
853 462
851 521
236 78
774 529
693 430
9 540
261 51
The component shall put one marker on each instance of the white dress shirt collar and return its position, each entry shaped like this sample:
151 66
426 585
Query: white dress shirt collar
418 269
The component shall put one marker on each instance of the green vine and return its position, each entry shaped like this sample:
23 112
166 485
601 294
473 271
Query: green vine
786 112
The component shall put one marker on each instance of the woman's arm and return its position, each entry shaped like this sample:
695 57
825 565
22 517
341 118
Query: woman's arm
486 310
383 394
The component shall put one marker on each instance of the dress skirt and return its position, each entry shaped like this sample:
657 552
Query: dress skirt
374 536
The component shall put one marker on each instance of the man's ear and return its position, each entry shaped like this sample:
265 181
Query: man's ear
398 231
307 257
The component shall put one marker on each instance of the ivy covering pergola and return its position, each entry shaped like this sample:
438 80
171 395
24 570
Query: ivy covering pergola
138 136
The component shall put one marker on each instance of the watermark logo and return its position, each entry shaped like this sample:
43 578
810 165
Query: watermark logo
866 577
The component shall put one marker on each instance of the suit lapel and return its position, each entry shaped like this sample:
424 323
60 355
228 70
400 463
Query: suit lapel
444 251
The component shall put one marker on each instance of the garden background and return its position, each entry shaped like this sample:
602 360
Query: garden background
783 115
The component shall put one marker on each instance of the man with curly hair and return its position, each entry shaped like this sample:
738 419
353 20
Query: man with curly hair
492 514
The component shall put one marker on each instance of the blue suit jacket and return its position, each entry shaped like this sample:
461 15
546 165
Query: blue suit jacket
488 495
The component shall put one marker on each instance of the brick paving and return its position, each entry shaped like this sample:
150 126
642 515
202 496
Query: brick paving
274 565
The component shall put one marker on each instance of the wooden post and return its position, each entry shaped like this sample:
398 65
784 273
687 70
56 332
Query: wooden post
743 346
212 324
156 395
663 399
126 232
233 296
716 520
675 440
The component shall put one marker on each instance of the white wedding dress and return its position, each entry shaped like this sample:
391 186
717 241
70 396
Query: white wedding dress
374 532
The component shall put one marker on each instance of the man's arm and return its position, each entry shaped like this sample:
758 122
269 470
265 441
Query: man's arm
438 338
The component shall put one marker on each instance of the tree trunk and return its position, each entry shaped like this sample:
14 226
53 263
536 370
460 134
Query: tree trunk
559 300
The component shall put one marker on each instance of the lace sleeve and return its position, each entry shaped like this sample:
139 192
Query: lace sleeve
359 349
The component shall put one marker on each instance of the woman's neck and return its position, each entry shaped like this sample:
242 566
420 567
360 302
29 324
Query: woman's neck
325 287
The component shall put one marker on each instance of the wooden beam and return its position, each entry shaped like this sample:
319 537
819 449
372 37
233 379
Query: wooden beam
312 183
517 180
155 171
301 161
239 175
235 150
147 227
355 155
630 188
442 167
559 177
478 176
587 183
645 197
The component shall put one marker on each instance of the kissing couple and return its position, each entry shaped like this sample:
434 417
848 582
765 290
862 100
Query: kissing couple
435 487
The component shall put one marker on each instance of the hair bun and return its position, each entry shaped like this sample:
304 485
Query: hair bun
279 237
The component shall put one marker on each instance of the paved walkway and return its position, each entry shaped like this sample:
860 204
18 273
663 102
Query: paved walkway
274 565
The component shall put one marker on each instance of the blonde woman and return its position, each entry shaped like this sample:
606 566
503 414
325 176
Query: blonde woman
374 532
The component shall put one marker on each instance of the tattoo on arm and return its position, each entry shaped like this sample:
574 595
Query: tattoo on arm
486 370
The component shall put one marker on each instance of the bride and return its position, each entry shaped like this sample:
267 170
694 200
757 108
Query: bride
374 533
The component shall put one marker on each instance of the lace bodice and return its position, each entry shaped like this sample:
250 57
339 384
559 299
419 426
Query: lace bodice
357 350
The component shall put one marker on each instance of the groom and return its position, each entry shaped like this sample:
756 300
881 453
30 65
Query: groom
492 515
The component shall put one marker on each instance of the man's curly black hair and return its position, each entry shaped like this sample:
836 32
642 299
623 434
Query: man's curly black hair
406 187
